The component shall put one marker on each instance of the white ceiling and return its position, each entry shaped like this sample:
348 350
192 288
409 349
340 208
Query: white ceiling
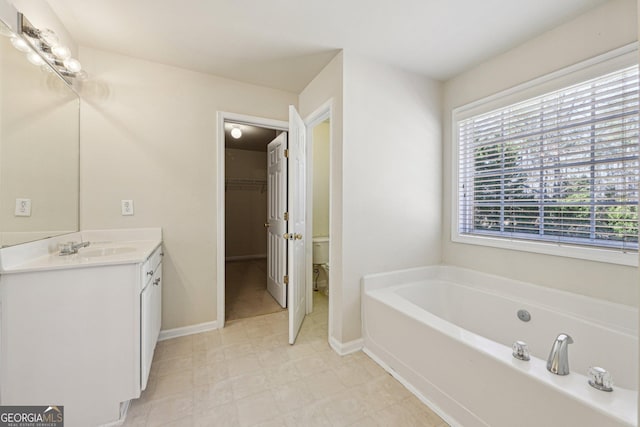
284 43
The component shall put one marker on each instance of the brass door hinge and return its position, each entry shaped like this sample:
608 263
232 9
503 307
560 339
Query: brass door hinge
286 280
286 216
286 153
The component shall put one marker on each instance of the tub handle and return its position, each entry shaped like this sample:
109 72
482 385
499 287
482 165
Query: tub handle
600 378
521 350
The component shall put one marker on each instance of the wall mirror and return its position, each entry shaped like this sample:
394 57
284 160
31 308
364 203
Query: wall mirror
39 147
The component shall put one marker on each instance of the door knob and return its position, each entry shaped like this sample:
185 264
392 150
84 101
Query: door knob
287 236
267 225
297 236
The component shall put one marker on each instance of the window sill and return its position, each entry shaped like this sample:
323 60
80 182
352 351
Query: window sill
556 249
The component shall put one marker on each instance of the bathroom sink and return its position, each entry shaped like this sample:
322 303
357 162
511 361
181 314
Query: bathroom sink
98 252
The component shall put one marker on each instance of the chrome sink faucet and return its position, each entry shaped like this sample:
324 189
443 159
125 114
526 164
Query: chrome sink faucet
71 248
558 361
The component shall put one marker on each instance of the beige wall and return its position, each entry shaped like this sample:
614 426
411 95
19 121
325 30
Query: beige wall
321 179
245 205
598 31
148 133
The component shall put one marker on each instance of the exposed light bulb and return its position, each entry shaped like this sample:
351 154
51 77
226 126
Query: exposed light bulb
35 59
73 65
236 133
61 52
20 44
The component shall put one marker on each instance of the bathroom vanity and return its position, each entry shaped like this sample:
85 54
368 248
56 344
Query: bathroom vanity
80 330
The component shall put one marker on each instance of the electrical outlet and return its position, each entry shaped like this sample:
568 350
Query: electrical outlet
23 207
127 207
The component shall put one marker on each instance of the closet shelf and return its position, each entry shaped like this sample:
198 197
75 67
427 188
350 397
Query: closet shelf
245 184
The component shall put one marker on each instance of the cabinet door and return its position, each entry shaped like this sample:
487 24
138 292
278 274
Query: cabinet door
148 341
156 304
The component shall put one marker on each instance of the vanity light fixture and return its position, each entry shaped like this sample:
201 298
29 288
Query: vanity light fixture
46 45
236 132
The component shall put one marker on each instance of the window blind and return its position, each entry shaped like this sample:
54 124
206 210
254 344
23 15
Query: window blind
562 167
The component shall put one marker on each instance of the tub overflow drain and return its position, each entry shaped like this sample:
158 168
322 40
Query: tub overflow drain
524 315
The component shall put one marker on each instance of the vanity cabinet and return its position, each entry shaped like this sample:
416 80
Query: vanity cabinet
81 336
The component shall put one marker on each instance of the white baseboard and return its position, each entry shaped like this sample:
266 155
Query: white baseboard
245 257
346 348
187 330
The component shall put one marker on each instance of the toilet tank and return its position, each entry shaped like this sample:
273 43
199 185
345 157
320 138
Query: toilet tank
321 250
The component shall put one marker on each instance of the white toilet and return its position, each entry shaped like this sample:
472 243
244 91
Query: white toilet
321 263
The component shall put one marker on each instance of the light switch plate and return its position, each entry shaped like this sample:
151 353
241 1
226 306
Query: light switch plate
127 207
23 207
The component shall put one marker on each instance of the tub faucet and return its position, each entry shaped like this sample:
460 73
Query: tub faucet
558 361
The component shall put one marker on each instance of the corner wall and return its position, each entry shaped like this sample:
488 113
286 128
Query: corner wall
327 86
148 133
598 31
385 210
392 188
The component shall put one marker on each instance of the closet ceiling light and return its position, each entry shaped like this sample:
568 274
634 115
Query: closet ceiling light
236 133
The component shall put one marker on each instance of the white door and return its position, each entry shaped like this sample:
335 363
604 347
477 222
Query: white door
276 224
296 223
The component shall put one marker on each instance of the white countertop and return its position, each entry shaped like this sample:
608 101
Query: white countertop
107 247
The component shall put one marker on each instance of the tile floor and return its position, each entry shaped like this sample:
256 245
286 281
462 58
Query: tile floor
246 292
246 374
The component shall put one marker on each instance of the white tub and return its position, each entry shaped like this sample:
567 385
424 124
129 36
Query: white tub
447 333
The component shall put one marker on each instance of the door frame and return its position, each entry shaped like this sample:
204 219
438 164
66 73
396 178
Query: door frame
222 117
320 114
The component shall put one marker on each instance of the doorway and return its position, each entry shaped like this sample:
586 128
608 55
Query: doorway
319 138
246 200
300 292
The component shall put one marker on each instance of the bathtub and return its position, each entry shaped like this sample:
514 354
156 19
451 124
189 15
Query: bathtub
446 333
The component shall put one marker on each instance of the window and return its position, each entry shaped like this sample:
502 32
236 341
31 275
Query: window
560 168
